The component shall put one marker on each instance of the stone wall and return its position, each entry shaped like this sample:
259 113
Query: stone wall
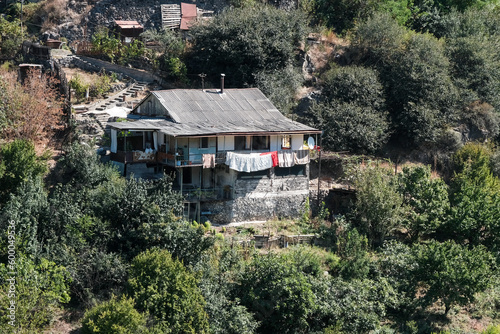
261 199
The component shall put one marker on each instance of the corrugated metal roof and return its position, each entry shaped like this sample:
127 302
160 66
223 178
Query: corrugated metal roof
198 113
128 24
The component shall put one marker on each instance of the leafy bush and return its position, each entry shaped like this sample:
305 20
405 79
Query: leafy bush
354 84
116 316
355 306
79 86
349 127
379 207
226 45
18 163
353 251
96 275
492 330
100 86
421 97
475 198
11 37
26 208
176 69
104 43
341 14
452 273
278 293
40 288
162 286
280 86
218 270
427 200
171 42
396 263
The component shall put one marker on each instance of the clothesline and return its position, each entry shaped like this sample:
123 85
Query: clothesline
252 162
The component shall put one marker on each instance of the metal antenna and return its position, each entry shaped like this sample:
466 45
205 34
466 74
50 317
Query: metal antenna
202 76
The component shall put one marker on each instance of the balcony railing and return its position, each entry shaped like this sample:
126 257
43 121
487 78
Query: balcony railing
206 194
170 159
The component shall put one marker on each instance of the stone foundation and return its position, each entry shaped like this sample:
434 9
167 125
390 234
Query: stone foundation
261 199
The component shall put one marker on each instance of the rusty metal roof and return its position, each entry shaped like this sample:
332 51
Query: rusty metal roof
188 15
210 113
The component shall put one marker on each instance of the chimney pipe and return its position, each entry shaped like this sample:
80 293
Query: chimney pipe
222 75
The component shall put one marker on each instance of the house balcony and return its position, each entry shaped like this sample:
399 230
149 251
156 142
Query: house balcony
174 160
191 160
192 194
133 156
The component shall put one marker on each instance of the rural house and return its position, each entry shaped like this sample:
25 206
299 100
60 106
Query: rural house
235 157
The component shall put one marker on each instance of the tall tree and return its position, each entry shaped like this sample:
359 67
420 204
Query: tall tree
162 286
379 207
244 41
452 273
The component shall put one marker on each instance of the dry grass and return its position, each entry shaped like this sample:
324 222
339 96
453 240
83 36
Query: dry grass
53 12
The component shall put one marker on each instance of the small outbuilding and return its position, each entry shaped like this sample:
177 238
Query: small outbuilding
127 31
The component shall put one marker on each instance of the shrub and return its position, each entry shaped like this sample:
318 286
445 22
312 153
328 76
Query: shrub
226 45
79 86
452 273
39 290
162 286
18 163
116 316
278 293
349 127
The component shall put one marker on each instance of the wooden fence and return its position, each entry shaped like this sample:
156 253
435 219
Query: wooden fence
281 241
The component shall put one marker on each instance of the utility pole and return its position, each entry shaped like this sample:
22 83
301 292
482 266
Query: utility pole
319 170
21 14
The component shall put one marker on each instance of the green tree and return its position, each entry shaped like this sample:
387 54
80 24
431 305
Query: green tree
40 289
341 15
427 200
278 294
475 67
104 43
11 37
18 163
349 126
353 251
452 273
116 316
226 45
280 86
162 286
379 207
355 306
170 42
352 112
475 198
218 270
354 84
396 263
420 95
26 207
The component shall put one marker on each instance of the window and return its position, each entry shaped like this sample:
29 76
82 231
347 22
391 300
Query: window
297 170
254 175
251 142
204 142
187 176
239 143
286 142
260 142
